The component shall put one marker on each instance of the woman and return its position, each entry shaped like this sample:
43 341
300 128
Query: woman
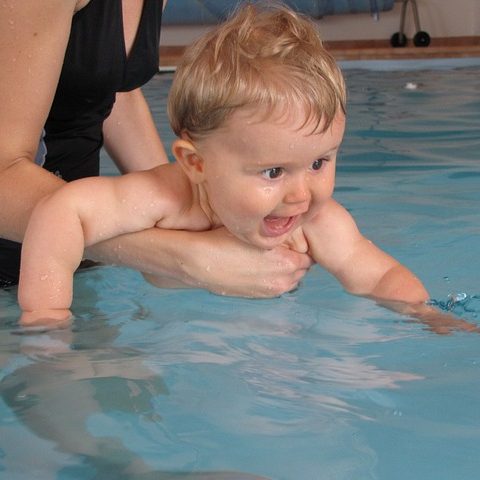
70 82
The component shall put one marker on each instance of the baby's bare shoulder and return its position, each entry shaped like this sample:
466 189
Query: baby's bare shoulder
331 233
331 218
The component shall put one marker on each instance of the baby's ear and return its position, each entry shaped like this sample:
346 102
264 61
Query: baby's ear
189 159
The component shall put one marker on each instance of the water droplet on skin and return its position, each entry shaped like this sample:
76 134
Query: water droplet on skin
44 277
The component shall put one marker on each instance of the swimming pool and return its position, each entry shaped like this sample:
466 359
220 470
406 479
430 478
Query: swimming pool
317 384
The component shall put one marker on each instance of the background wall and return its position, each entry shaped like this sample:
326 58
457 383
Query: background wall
440 18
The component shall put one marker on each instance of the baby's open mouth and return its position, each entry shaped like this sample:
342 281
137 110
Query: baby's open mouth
275 226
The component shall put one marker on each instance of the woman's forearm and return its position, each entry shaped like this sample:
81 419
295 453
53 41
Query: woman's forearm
213 260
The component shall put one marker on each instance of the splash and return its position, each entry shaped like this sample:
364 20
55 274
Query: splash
459 303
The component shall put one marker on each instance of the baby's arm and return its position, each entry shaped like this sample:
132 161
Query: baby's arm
79 214
363 269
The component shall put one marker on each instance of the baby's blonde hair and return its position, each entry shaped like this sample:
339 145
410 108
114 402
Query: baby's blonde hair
265 56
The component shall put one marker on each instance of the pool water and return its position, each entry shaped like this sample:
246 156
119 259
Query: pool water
315 385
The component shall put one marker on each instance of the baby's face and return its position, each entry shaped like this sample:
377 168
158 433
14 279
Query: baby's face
265 178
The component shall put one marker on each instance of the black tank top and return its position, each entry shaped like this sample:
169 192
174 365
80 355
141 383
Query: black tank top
94 69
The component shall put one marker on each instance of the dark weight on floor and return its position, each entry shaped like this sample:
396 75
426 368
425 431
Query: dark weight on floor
398 40
420 39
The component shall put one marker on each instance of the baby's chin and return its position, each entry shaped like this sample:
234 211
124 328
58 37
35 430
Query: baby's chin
265 242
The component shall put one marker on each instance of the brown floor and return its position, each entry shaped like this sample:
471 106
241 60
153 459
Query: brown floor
456 47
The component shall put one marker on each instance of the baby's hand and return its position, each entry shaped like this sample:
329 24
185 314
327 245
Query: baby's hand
435 320
446 323
49 319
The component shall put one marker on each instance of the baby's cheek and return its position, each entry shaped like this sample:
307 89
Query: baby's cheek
319 198
244 210
325 191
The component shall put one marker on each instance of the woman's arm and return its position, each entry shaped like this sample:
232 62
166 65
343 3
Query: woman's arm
214 260
33 40
131 137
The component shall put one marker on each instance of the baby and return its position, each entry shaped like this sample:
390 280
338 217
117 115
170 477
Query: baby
258 107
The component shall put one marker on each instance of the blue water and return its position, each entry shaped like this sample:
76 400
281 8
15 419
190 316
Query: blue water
315 385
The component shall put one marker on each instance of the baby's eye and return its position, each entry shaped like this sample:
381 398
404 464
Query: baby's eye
272 173
317 164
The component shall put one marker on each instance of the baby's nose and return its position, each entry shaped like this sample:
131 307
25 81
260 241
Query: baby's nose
298 191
